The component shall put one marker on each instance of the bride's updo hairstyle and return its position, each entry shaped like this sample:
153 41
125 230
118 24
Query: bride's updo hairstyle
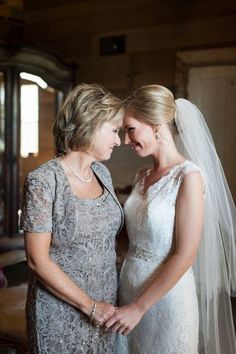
154 105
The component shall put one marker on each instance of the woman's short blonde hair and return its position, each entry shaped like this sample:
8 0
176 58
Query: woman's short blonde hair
85 109
153 104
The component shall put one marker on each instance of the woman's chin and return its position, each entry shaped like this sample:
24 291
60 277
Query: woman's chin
140 152
105 157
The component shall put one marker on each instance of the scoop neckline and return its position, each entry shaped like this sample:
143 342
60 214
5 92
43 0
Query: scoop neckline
101 196
173 168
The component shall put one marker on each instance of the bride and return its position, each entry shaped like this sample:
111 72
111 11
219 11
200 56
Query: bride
176 280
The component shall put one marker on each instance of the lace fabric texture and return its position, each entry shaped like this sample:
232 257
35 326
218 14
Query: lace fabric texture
170 326
83 246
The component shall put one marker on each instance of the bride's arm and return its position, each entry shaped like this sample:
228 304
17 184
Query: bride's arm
188 231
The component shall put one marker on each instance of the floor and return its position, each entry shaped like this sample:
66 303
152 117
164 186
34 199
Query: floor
5 350
17 274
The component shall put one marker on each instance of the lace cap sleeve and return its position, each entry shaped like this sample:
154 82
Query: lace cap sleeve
190 167
37 203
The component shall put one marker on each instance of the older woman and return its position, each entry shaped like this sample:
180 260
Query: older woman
70 217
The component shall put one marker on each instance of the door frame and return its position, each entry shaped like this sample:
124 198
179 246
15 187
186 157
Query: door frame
187 59
57 75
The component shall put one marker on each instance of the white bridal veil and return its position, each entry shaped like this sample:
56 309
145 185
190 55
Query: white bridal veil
215 266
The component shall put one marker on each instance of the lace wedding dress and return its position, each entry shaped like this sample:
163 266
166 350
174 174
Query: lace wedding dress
171 325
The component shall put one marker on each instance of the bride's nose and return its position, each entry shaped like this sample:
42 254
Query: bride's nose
127 139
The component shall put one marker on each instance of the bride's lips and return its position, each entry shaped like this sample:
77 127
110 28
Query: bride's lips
134 146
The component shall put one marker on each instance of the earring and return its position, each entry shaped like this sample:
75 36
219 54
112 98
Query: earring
158 136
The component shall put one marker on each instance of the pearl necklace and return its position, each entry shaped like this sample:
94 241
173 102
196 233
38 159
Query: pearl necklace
75 174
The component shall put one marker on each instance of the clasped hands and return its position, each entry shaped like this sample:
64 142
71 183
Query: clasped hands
117 319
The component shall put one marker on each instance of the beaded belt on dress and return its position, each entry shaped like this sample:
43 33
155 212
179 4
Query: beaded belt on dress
138 251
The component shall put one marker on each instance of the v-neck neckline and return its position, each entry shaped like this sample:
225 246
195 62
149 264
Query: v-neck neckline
142 181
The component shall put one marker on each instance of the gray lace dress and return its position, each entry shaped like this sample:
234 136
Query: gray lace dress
83 246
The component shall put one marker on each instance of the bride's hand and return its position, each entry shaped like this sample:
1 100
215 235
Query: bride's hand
125 318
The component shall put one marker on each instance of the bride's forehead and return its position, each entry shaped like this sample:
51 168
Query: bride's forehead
129 117
129 121
134 121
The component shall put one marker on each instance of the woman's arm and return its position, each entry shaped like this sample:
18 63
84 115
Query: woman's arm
188 231
56 281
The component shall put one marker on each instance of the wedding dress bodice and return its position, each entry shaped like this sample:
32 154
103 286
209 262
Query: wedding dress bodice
150 216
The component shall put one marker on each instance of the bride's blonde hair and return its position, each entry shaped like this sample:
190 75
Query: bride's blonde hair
154 105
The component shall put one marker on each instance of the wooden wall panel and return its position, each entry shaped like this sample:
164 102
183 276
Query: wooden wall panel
155 31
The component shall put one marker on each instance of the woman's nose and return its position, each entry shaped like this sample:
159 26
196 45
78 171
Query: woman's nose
127 139
118 142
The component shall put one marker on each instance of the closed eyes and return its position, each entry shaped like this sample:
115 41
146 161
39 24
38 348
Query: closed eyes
130 129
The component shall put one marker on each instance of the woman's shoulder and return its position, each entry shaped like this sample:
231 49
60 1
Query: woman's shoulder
44 173
141 172
188 166
101 170
191 172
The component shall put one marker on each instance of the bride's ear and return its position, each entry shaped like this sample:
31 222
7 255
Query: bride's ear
156 129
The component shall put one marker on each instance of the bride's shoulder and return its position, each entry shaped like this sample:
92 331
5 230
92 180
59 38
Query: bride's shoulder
142 172
191 173
188 167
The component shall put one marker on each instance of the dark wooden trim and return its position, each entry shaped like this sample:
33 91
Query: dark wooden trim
58 76
11 151
4 174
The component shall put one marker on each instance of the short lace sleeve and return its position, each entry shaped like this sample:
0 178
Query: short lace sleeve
190 167
37 203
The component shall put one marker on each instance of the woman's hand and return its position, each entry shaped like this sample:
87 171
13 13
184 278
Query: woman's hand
102 312
125 318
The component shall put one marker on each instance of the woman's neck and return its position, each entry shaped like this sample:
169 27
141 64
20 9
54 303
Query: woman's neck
168 157
79 161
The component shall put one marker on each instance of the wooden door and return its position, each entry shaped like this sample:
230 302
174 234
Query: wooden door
213 90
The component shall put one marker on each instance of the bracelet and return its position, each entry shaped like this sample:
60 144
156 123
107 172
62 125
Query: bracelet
93 310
